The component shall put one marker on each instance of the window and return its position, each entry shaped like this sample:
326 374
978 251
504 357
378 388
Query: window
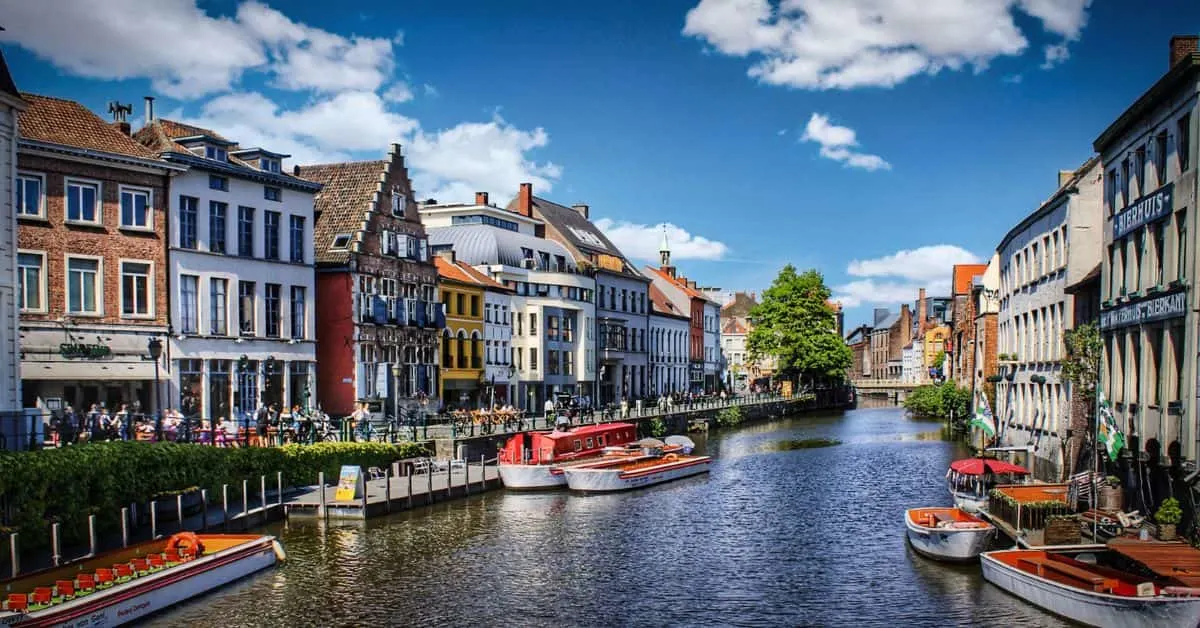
218 305
271 234
216 182
458 304
474 305
137 290
189 306
399 201
1160 158
566 363
1110 190
30 199
1124 183
246 231
297 239
187 221
246 308
31 273
216 226
298 307
1139 169
270 165
552 362
1182 238
1160 240
135 208
340 241
213 152
532 324
83 201
533 358
83 286
1183 144
272 193
274 304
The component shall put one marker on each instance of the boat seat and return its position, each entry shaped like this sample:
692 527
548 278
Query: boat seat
156 561
65 589
123 572
17 602
104 578
942 517
171 557
41 597
85 582
1098 583
140 565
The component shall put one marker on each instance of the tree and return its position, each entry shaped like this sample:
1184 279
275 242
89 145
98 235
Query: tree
1082 366
795 324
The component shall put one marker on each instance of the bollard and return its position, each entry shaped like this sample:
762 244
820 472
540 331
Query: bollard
54 544
410 490
124 527
429 492
466 476
449 477
225 506
321 489
245 497
366 486
203 509
179 510
13 554
262 491
482 472
91 535
279 487
387 488
154 519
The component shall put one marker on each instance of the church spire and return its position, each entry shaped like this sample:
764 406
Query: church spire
664 249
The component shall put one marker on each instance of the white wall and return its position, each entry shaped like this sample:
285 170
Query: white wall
10 360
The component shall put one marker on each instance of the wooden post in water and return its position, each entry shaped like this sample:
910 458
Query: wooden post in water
153 519
321 489
387 488
13 554
225 506
124 528
179 510
54 556
91 535
279 487
410 489
429 493
482 472
466 475
449 477
262 492
203 509
245 497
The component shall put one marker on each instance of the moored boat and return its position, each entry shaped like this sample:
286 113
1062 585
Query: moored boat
969 480
657 463
950 534
125 585
1097 587
535 460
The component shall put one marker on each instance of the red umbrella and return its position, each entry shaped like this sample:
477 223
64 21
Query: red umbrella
979 466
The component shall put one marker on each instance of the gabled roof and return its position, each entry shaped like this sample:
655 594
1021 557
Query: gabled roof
886 323
734 326
661 304
7 85
681 285
68 123
344 202
463 273
962 275
579 232
739 306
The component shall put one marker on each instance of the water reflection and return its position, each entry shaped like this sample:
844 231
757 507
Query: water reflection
770 537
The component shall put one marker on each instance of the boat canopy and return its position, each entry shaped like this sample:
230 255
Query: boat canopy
980 466
587 430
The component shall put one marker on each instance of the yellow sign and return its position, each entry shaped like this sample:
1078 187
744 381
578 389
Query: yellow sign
349 486
787 389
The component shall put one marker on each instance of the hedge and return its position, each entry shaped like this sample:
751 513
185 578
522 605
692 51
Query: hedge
68 484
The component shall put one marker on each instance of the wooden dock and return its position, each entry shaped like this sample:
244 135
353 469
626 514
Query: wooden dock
393 492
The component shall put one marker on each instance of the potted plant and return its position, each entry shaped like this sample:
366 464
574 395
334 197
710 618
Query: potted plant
1168 516
1110 494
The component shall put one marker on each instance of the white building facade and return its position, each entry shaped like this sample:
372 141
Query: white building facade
497 345
242 280
1050 249
669 343
714 359
10 352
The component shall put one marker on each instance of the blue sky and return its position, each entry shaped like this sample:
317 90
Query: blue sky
938 123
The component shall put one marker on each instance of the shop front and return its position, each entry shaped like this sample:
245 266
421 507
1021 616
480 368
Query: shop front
460 394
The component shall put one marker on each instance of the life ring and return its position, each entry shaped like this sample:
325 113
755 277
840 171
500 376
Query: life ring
185 540
670 457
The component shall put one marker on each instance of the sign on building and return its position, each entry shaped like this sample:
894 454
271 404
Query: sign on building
1145 210
1172 305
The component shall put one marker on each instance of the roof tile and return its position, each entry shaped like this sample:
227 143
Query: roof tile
343 202
68 123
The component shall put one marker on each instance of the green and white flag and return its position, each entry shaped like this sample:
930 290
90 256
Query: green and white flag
1109 435
983 415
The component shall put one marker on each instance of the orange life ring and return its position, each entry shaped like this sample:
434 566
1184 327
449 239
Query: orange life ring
184 541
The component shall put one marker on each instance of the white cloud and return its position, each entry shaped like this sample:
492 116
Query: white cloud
187 53
1055 55
452 164
398 93
398 38
642 242
837 143
843 44
429 90
1013 79
897 277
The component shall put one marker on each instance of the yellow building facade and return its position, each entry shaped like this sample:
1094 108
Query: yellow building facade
461 345
935 343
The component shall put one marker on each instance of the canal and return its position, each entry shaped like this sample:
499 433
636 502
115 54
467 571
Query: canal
775 537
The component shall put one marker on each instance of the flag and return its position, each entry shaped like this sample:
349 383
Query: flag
1109 435
983 416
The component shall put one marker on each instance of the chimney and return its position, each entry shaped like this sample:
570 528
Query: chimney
581 208
921 313
149 109
1064 176
905 318
447 254
123 127
481 198
525 200
1181 47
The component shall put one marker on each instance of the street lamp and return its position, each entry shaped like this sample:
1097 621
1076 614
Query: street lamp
243 369
154 346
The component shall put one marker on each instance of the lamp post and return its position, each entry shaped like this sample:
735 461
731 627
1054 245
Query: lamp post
243 369
154 346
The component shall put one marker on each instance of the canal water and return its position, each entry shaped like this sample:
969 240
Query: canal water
772 537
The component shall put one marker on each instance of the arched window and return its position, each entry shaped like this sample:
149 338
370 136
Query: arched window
461 350
447 362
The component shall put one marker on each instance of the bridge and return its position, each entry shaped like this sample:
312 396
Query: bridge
892 388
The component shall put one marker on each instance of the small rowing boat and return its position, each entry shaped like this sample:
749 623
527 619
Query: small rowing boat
657 463
1097 586
949 534
129 584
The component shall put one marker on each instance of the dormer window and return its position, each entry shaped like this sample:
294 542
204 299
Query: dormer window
267 164
340 242
218 154
398 201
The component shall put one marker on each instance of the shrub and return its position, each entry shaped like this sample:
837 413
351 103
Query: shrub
730 417
938 400
68 484
1169 512
657 427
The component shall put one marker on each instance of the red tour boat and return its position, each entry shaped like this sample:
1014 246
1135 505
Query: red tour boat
534 460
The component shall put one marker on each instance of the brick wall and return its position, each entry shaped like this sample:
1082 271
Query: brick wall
107 241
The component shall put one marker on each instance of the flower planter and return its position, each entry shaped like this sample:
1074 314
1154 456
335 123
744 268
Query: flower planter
1110 499
1166 532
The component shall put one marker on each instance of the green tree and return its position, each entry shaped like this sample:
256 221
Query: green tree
939 400
795 325
1082 365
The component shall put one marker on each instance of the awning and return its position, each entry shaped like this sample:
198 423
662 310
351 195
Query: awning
977 466
88 371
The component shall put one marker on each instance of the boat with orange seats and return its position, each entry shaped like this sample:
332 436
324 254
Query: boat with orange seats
950 534
1098 586
129 584
971 479
535 460
655 462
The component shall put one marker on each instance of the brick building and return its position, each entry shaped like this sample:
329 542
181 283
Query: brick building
961 353
984 343
860 347
380 315
92 259
889 335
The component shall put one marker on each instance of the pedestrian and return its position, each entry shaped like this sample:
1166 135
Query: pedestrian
121 421
624 407
261 420
549 407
